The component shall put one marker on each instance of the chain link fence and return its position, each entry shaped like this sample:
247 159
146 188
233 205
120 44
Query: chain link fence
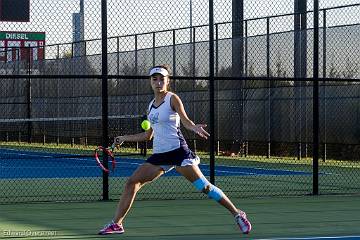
52 95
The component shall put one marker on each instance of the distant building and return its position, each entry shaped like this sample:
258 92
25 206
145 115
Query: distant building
78 32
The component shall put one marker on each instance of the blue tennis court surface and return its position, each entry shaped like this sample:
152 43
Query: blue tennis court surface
31 164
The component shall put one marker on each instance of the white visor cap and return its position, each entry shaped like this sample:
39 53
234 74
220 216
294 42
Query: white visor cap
159 70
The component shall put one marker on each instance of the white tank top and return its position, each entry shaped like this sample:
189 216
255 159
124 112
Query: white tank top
165 123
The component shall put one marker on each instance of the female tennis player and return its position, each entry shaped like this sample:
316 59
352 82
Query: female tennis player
165 112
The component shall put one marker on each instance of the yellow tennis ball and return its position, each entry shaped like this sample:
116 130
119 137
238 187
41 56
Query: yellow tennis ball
145 125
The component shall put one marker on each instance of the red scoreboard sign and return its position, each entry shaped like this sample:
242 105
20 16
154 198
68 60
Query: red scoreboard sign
15 46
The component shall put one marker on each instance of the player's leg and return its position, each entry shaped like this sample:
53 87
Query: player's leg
195 176
142 175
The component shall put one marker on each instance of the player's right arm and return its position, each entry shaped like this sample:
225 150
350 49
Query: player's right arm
139 137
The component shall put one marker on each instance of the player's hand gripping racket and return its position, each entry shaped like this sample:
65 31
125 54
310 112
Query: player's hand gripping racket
109 151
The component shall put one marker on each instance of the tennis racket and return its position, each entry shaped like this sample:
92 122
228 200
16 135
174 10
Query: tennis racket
109 151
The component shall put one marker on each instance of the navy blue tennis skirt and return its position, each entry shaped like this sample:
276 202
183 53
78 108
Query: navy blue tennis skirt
174 157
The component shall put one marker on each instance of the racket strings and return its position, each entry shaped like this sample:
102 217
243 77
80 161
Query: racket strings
109 152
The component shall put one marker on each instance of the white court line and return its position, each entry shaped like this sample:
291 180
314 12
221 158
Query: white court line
263 169
307 238
63 156
256 168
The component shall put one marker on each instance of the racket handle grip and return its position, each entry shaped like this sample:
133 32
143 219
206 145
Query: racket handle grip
113 146
117 142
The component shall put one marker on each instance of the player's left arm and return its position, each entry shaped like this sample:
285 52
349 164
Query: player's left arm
178 107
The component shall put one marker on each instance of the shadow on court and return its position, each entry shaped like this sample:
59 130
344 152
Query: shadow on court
308 217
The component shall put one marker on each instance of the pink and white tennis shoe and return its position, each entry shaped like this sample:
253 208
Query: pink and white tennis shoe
112 228
243 223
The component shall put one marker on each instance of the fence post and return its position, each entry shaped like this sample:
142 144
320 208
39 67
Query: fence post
29 98
303 66
245 118
153 48
324 84
104 86
269 85
117 55
217 149
193 74
174 60
316 101
211 91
